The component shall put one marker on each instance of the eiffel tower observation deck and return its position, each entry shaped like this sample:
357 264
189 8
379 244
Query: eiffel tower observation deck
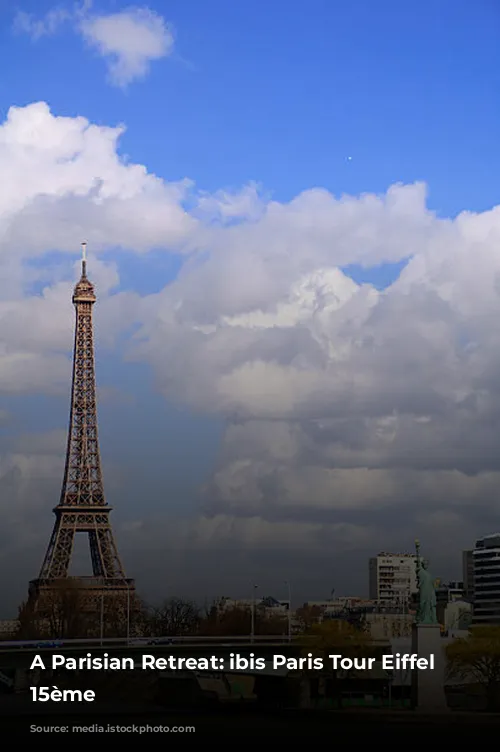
82 506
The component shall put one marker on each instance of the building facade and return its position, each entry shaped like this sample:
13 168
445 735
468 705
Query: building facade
448 593
268 604
382 625
457 617
486 557
393 579
453 610
468 574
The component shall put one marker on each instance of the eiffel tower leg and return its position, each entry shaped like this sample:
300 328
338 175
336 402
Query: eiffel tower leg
58 557
105 559
96 555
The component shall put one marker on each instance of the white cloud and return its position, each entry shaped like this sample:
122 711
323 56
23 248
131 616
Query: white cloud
48 25
129 40
226 207
350 401
64 181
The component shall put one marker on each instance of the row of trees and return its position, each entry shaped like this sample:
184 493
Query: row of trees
475 658
471 660
66 614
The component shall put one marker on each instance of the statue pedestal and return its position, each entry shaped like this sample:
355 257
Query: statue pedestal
428 686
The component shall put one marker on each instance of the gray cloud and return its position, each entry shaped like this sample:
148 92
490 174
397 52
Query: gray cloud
346 402
355 418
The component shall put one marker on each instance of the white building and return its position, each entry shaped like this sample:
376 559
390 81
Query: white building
393 579
381 622
268 605
457 616
486 557
342 603
388 626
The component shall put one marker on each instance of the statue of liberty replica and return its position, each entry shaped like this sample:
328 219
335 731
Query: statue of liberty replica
428 687
426 591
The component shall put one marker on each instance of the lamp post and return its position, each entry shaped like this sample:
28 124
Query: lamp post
102 618
289 610
252 634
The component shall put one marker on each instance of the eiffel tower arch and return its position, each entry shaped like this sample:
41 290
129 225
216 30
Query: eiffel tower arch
82 507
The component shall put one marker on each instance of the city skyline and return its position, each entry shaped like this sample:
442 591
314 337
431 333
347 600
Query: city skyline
292 225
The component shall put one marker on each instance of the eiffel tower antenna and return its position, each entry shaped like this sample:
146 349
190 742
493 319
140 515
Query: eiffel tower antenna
84 259
82 506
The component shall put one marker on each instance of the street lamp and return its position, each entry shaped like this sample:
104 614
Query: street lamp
289 610
252 634
102 618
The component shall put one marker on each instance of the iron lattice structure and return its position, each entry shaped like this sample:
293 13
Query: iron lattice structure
82 506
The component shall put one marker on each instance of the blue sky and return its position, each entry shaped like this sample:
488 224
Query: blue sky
282 94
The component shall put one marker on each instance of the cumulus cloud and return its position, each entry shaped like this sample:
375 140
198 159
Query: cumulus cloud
228 207
352 414
129 40
64 175
64 181
345 401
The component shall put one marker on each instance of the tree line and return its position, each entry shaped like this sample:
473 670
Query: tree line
66 613
474 658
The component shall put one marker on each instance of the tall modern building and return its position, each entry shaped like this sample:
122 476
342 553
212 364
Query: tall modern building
82 506
486 556
393 579
468 574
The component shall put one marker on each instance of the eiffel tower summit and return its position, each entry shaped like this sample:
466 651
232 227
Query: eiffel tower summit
82 507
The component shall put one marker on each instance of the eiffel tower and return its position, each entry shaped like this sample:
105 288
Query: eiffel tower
82 506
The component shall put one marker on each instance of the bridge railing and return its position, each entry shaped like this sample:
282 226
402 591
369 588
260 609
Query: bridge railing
145 641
